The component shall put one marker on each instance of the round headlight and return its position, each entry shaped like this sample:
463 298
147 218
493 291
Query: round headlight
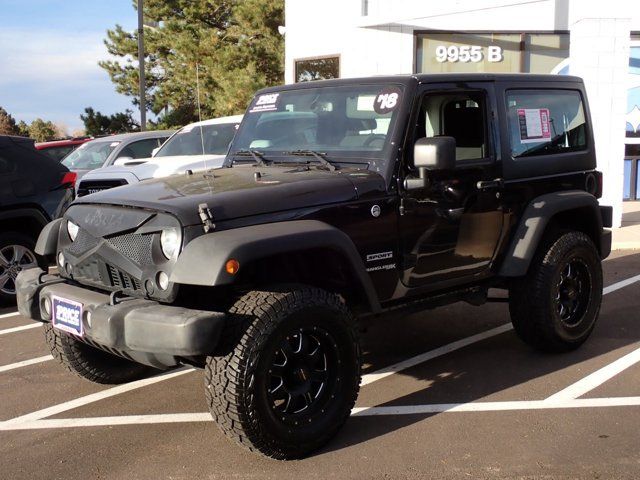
72 230
170 243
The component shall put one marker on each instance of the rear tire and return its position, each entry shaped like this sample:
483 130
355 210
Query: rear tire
91 363
288 371
556 305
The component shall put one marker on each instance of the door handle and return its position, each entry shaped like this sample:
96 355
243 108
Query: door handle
489 184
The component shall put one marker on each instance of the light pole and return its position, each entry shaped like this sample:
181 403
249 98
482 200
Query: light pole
143 103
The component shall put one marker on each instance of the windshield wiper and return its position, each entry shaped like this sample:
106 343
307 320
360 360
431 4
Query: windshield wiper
321 157
257 156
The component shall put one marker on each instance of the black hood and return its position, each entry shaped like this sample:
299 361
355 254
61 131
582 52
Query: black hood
237 192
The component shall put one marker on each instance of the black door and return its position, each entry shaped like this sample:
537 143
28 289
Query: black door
451 228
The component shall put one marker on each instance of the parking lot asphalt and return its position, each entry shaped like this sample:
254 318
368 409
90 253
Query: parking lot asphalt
447 393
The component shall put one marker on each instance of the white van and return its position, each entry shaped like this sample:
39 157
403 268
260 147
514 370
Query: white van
197 146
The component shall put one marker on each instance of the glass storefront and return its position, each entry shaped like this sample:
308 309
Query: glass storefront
491 52
631 188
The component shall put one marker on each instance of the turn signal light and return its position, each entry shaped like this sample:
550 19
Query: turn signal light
232 266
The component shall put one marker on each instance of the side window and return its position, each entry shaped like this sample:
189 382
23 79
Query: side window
139 149
545 122
461 116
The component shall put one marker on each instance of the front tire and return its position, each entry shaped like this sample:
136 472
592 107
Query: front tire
91 363
288 372
555 307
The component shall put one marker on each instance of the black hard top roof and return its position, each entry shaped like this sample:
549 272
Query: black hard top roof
432 78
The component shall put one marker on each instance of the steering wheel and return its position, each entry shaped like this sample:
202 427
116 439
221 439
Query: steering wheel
372 138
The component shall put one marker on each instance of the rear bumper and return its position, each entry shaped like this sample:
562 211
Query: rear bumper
142 330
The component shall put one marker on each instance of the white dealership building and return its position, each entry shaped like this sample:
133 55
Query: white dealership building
596 40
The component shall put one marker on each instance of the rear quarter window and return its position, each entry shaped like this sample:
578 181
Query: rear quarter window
545 122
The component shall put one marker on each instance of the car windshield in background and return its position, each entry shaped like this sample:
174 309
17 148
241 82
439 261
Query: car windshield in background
198 140
354 120
89 156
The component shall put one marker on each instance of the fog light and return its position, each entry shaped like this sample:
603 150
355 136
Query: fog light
46 306
61 260
163 281
87 317
232 266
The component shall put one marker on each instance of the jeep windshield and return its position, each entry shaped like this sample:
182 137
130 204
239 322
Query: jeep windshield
199 140
343 123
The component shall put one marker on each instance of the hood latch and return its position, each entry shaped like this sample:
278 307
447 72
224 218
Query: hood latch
206 217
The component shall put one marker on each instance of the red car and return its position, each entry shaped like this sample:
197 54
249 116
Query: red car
58 149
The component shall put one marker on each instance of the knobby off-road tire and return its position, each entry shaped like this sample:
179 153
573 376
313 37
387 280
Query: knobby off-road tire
555 307
288 371
91 363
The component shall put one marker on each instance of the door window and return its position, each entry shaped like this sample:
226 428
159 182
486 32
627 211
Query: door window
461 116
139 149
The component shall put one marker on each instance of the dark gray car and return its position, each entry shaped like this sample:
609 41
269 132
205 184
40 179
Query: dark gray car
106 151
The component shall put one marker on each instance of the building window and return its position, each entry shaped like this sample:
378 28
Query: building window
319 68
491 52
365 8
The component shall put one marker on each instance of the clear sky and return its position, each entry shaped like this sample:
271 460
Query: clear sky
49 52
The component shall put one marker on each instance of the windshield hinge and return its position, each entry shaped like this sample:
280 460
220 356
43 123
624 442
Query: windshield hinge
206 217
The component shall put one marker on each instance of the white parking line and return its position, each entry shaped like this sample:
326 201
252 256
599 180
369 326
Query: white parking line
597 378
7 315
33 361
430 355
356 412
94 397
621 284
20 329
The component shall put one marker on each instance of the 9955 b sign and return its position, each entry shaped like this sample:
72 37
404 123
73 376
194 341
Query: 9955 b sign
468 53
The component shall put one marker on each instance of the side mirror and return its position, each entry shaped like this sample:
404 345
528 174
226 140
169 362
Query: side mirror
154 151
431 153
121 161
435 153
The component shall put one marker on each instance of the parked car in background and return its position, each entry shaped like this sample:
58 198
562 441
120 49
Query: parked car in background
27 203
197 146
114 150
58 149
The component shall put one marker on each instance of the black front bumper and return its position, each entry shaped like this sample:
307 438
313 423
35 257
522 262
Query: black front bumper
142 330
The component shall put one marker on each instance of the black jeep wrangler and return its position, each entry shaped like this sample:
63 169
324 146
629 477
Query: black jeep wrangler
339 200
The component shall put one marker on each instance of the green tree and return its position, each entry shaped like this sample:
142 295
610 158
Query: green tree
96 123
233 46
42 131
7 123
23 128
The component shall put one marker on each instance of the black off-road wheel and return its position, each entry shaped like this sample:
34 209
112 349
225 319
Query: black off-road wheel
288 371
91 363
555 307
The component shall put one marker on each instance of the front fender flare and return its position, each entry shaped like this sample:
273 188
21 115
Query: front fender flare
202 262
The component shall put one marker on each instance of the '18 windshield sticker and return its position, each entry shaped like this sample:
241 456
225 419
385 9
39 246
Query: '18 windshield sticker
265 103
387 100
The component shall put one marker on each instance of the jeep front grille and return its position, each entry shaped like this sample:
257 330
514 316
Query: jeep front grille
135 247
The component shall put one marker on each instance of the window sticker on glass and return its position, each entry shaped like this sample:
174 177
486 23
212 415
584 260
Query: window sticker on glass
387 100
534 125
266 103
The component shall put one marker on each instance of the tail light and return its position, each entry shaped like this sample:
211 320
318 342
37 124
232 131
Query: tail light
69 179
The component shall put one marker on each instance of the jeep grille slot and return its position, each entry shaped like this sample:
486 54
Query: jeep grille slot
135 247
120 279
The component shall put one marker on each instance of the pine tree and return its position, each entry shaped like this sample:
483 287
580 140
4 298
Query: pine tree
234 45
7 123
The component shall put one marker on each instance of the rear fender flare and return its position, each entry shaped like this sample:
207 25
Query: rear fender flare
534 222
